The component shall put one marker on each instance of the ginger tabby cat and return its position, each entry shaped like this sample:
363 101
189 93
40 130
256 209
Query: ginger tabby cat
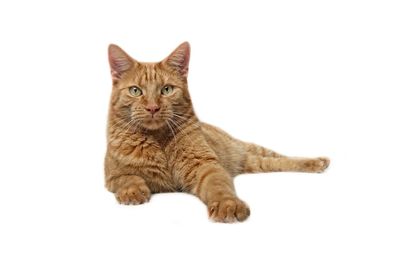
156 143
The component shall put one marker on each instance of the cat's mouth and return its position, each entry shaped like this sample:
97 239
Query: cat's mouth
153 122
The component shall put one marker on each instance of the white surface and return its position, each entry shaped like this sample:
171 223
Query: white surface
305 78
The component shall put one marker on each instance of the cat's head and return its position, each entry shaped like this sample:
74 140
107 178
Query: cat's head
150 95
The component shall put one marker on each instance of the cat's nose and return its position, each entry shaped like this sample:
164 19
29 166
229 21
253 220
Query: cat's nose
152 109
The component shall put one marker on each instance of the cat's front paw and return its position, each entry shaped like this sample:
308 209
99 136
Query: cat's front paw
228 210
133 194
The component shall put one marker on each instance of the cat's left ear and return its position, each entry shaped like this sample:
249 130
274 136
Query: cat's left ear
119 60
179 59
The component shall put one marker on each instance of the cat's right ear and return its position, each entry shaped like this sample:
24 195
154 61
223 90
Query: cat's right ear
119 60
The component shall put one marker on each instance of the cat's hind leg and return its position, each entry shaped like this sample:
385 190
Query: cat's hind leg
256 150
260 159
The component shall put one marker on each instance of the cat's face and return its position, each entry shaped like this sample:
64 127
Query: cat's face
150 95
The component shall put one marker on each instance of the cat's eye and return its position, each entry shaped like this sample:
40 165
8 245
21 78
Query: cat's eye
135 91
167 90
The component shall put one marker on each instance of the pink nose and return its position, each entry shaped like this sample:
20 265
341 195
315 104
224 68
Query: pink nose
152 109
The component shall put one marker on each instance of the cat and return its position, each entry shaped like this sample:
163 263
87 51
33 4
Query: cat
156 143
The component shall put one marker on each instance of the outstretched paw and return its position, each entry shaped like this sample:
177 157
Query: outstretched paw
228 210
317 165
133 194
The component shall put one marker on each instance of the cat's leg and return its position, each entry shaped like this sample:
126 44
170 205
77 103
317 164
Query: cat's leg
254 164
214 186
129 189
200 171
201 174
256 150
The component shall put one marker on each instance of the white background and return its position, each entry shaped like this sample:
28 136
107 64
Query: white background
306 78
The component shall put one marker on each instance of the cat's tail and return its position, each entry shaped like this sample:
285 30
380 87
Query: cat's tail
260 159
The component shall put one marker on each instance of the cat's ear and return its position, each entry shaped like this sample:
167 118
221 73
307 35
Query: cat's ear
179 59
119 60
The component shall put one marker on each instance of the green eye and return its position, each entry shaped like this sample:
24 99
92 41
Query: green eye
166 90
135 91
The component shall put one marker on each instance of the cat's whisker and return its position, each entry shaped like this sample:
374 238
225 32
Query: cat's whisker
127 126
128 129
182 117
121 127
172 130
181 129
112 127
137 125
134 124
180 122
178 116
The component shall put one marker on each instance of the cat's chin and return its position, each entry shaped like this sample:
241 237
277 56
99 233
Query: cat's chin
153 124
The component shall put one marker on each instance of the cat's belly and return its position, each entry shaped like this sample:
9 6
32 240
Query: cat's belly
230 151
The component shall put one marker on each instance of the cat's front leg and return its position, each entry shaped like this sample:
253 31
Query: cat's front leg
129 189
215 187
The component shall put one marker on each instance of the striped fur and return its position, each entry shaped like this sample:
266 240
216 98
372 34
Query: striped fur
172 150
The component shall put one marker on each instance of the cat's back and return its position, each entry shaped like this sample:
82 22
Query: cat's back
229 150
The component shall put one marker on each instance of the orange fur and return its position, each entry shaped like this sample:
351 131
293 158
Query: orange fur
157 144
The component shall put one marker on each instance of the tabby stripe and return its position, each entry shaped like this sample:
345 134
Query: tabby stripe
203 177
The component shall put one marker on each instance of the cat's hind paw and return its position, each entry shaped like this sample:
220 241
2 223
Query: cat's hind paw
323 164
316 165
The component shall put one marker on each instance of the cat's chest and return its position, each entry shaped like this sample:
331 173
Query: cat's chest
141 151
147 158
